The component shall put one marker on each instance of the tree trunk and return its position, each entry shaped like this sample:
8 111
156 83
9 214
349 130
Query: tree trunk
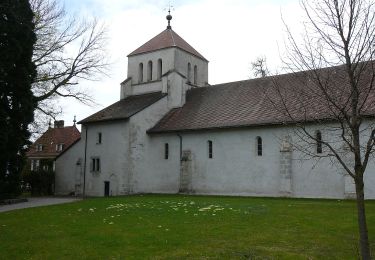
362 225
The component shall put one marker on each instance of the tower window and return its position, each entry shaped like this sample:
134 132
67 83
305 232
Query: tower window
259 146
195 75
166 151
318 137
140 73
160 68
189 73
210 150
149 71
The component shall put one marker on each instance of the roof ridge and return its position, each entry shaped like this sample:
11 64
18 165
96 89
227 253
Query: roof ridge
171 32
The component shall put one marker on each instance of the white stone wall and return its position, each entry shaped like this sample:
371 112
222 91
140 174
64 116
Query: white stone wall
69 170
113 154
151 173
236 169
181 64
168 60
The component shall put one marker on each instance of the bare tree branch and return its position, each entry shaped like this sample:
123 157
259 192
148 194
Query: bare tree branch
67 51
333 71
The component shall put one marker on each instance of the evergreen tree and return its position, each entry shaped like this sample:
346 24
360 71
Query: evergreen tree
17 72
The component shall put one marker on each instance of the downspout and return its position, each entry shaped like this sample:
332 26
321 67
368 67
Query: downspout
84 165
180 146
179 185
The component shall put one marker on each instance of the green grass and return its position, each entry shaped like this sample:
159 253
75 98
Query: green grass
185 227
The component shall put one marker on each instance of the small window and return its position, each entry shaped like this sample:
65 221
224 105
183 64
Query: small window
35 165
149 71
140 73
95 164
189 73
59 147
195 75
99 138
319 148
39 147
210 151
259 146
160 68
166 151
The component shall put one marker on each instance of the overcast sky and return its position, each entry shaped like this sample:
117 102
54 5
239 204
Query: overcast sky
229 33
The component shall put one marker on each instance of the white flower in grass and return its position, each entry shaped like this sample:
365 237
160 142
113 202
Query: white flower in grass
166 229
92 209
111 223
195 214
79 210
159 226
213 214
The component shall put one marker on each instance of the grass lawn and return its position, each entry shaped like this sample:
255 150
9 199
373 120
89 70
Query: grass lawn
183 227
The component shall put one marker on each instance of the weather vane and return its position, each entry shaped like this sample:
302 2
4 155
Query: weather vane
169 16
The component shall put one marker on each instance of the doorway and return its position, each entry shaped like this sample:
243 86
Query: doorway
106 188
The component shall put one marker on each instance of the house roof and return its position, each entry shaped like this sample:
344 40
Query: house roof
52 137
124 108
261 101
166 39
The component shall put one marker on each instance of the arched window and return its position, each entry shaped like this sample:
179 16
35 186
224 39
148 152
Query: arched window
210 151
189 73
140 73
195 75
160 68
318 136
259 146
149 71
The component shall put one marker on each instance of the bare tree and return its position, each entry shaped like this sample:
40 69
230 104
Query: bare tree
67 50
259 67
333 75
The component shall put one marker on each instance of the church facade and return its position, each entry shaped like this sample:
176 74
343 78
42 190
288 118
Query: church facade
172 132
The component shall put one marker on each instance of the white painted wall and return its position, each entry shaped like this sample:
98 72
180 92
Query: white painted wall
69 170
151 173
168 59
113 154
237 170
181 65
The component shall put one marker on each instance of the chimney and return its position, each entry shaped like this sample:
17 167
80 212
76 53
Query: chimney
59 124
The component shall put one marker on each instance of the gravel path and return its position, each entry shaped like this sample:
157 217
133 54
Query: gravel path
37 202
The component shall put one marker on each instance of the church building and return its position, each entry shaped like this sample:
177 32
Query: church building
173 132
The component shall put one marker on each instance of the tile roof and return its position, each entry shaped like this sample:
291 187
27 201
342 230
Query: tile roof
258 102
124 108
52 137
166 39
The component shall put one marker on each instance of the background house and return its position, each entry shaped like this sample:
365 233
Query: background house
55 141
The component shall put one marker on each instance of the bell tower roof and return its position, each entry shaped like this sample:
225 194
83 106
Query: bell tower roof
167 39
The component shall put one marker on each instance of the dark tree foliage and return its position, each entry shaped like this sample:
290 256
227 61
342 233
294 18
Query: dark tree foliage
17 72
